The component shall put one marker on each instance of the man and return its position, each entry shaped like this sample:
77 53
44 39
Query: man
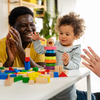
12 52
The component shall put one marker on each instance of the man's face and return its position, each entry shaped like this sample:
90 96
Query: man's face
25 25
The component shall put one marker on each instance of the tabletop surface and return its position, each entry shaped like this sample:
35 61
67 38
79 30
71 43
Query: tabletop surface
24 91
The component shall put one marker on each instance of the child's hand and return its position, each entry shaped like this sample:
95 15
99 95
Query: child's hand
65 58
36 37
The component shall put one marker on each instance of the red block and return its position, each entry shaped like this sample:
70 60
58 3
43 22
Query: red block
62 75
27 59
11 69
42 72
47 70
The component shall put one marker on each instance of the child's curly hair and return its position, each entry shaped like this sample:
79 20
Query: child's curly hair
73 20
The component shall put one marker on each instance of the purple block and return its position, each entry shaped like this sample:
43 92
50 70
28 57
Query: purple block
49 67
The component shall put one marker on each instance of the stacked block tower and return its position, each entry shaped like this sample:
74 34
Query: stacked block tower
50 55
27 59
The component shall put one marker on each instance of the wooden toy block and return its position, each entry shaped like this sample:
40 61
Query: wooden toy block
9 75
25 79
27 59
27 52
41 80
51 74
50 58
50 54
50 48
3 76
62 75
2 68
45 73
57 69
52 70
27 65
50 61
56 74
50 42
42 69
60 69
35 69
9 81
48 77
13 75
65 71
1 64
50 64
18 78
16 70
50 51
49 67
11 69
31 82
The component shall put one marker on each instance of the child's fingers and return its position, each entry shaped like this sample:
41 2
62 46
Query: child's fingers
41 39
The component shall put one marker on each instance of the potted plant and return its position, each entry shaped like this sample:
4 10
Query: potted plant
48 30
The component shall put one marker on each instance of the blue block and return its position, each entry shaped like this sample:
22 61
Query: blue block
3 76
8 71
13 75
50 51
16 70
27 65
56 74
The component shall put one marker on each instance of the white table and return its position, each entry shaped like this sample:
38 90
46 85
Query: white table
24 91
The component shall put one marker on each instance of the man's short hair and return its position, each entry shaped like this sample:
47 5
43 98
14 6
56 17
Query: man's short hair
16 12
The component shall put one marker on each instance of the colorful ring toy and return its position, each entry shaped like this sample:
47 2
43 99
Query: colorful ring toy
50 51
50 48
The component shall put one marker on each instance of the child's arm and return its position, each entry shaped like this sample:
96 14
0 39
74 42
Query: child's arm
37 44
74 61
36 37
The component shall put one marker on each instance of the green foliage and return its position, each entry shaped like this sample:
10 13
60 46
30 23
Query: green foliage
45 32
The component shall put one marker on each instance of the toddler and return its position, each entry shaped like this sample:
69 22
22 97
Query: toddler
69 28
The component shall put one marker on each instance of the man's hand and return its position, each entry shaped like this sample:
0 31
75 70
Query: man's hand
65 58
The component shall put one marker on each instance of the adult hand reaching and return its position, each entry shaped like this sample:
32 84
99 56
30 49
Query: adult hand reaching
93 61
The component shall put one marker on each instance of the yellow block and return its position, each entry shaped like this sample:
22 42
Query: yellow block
31 1
50 58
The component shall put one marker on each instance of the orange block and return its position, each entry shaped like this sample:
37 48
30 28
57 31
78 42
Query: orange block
50 61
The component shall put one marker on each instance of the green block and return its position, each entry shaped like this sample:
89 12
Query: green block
10 73
18 78
2 68
35 69
25 79
25 70
50 64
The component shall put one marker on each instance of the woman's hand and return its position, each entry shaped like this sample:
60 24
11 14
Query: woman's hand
36 37
93 61
65 58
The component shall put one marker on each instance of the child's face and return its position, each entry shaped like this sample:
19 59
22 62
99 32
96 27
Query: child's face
66 36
